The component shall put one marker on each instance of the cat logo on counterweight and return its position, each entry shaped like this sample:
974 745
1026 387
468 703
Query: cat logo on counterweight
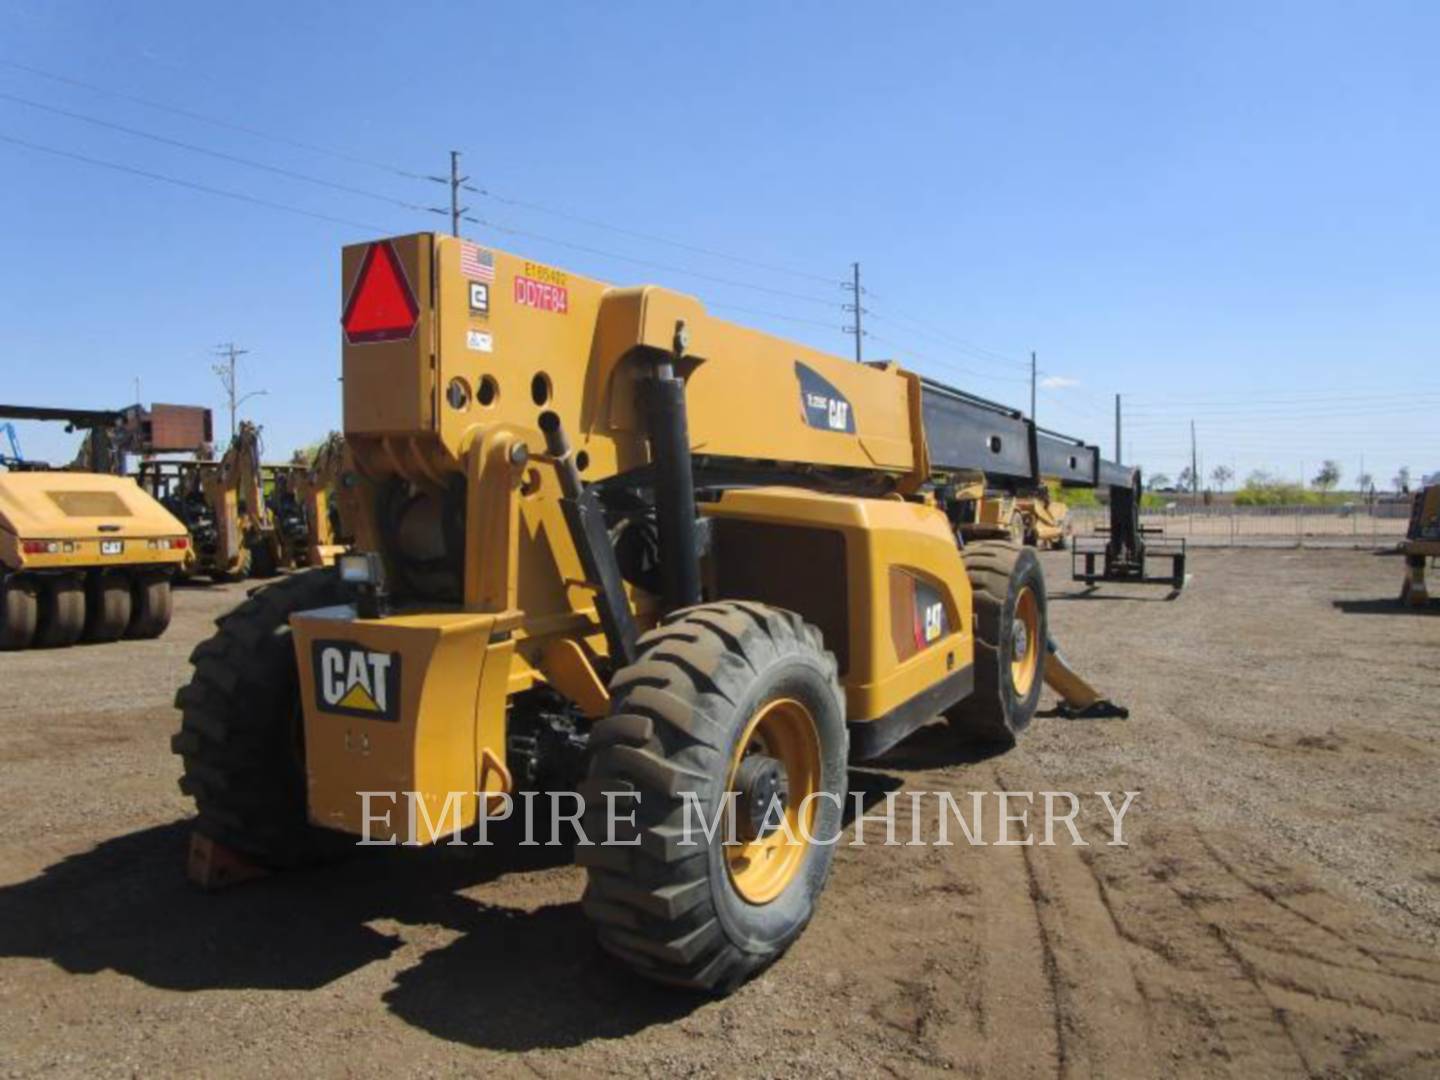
354 681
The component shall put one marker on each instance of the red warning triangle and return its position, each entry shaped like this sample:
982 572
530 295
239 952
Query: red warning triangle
381 306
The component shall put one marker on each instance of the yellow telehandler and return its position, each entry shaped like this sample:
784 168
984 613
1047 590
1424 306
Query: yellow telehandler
606 543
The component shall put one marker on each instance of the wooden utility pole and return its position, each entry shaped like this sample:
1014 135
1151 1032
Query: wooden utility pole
227 369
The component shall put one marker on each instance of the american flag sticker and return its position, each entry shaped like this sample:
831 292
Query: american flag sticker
476 262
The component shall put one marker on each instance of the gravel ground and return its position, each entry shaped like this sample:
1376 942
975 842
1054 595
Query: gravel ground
1276 911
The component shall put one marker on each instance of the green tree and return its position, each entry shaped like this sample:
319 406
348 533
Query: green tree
1402 479
1221 475
1159 480
1328 476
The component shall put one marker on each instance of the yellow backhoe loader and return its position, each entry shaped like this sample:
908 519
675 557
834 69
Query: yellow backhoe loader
606 543
326 491
226 508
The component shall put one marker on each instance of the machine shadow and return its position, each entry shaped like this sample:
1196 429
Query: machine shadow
933 746
126 906
1091 594
517 981
1387 606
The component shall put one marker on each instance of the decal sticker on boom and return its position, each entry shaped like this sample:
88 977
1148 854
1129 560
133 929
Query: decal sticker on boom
479 298
476 263
354 681
542 295
822 405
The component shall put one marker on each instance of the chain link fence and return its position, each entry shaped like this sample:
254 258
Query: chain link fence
1358 525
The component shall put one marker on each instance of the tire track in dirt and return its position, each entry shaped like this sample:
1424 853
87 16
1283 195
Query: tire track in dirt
1101 1016
1330 1012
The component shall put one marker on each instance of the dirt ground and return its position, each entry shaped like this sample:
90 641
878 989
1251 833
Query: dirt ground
1276 913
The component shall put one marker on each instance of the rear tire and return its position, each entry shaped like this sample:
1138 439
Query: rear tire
107 606
239 573
62 612
19 612
715 686
151 604
262 560
242 729
1008 591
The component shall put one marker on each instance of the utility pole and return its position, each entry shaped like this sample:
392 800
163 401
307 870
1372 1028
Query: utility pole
1032 384
226 368
455 181
856 308
1118 459
1194 463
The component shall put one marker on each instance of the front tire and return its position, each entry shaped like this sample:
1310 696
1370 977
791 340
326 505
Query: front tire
242 731
1011 629
725 697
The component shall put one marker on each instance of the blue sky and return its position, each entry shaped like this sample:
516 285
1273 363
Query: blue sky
1224 211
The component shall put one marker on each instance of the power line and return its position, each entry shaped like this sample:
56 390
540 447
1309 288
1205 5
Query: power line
240 196
1287 397
774 315
204 119
1328 412
669 269
340 155
221 155
934 332
945 362
651 237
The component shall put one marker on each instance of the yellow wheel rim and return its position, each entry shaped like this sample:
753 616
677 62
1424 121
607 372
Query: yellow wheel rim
1025 657
762 868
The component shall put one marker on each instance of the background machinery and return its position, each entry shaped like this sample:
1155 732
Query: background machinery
1421 544
14 460
609 545
326 490
1027 516
88 555
1043 519
227 507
